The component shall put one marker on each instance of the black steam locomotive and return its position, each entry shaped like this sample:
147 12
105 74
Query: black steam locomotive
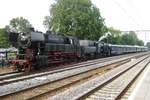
37 49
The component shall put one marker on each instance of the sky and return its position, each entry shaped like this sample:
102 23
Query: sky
124 15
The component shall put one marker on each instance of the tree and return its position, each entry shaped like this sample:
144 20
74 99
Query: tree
75 17
148 45
118 37
140 43
131 39
115 36
4 38
125 39
19 25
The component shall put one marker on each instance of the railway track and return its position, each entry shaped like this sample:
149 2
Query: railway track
46 84
111 85
10 75
4 78
117 87
19 76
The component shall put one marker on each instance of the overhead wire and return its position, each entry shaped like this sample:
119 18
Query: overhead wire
131 19
126 12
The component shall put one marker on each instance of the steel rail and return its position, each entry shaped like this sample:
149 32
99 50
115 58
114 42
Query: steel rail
86 88
74 66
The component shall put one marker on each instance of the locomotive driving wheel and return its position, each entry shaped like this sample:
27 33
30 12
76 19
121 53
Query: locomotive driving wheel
27 68
19 67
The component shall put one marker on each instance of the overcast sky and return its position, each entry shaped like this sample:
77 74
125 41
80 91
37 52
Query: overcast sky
121 14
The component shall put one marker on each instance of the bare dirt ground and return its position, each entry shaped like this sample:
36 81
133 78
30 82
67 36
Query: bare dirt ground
6 69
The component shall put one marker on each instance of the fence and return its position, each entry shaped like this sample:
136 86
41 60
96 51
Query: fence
5 57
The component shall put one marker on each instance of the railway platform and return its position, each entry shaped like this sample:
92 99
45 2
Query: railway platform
142 90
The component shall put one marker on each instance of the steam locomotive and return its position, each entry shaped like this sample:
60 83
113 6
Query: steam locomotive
37 49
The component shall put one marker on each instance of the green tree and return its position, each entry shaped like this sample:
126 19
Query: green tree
140 43
19 25
4 38
115 36
131 39
125 39
75 17
148 45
